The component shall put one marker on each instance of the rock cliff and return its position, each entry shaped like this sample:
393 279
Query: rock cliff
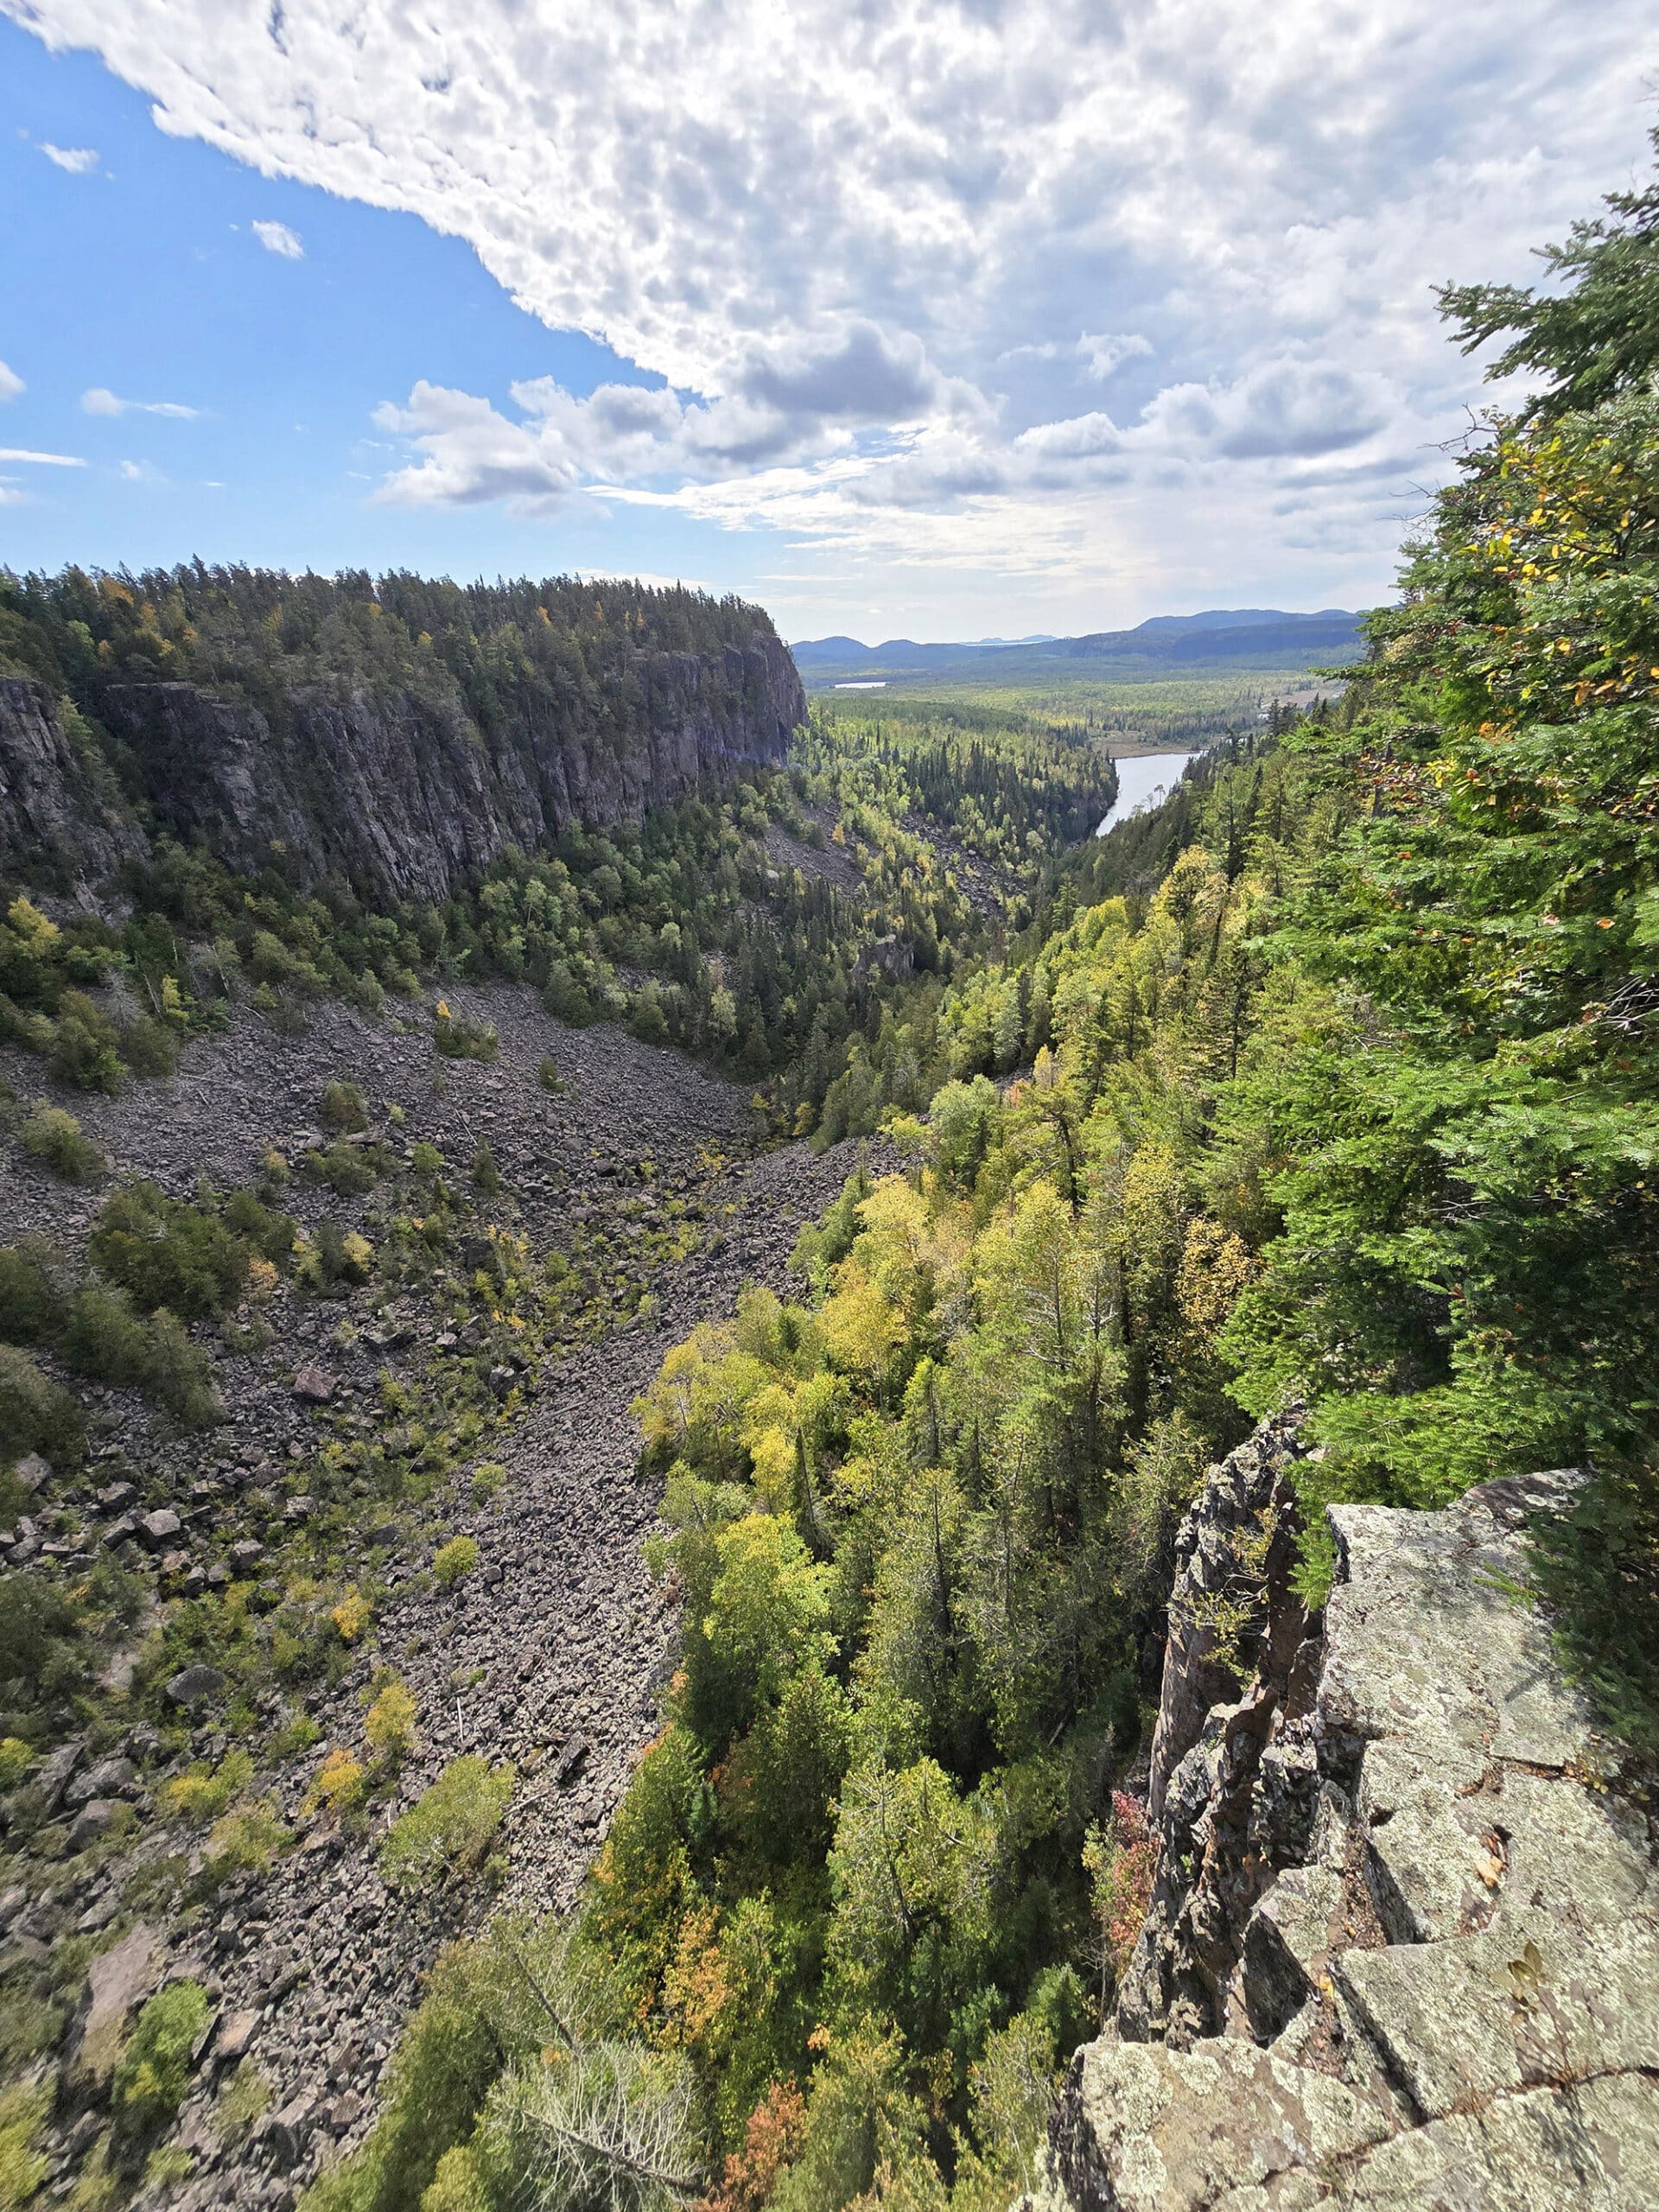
1403 1946
399 794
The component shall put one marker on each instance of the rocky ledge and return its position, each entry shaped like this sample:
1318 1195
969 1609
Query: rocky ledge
1403 1946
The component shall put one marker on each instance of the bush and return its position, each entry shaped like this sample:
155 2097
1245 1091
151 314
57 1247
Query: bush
338 1783
343 1107
148 1047
459 1039
549 1076
54 1138
169 1254
487 1477
105 1338
86 1048
448 1832
245 1841
37 1415
153 2072
347 1169
202 1793
390 1726
487 1176
352 1614
23 2113
30 1307
15 1759
458 1557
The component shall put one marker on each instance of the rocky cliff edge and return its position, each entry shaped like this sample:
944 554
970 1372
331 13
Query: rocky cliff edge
1403 1947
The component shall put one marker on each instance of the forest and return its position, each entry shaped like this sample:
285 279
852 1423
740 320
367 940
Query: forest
1343 1092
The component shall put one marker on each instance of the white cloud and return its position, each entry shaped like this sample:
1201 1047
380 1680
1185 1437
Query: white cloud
41 460
886 258
276 237
78 161
98 400
11 384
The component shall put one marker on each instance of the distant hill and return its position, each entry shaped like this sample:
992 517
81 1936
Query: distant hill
1221 641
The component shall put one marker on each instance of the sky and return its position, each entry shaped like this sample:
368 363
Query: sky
942 320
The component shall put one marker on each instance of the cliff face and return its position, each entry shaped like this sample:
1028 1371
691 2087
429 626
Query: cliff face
399 795
1403 1945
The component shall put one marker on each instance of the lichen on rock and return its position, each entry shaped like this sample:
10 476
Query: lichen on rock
1403 1945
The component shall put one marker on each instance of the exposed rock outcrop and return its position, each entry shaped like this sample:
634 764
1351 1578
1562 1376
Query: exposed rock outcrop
399 794
1403 1949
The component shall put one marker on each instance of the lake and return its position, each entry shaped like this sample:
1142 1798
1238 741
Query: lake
1142 779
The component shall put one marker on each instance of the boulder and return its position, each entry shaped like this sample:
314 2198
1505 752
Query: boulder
194 1684
119 1980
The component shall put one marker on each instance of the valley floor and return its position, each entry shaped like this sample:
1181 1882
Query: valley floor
552 1654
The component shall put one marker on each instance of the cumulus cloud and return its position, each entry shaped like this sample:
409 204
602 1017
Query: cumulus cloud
276 237
11 384
78 161
98 401
879 266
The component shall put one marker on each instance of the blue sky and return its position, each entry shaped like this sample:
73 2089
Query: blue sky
143 277
921 317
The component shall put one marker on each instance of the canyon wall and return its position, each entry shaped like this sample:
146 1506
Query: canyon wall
400 794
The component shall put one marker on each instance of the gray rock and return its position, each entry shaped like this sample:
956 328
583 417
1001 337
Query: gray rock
156 1530
117 1981
194 1684
1444 1994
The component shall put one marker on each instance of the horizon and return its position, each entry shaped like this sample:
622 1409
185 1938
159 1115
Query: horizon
317 317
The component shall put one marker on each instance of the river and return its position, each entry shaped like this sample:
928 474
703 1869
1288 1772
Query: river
1142 779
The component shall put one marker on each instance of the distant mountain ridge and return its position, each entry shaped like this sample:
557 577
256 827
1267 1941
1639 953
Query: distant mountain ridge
1221 640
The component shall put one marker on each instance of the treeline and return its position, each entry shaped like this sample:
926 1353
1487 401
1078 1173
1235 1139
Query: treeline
1359 1106
259 632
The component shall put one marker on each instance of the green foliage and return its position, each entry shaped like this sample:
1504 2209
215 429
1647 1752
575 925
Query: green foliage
52 1136
168 1253
342 1107
449 1831
31 1305
453 1560
37 1415
24 2111
153 2071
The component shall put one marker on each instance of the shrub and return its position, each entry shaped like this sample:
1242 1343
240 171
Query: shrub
452 1827
23 2113
85 1049
487 1176
458 1557
549 1076
425 1158
105 1338
54 1138
166 1253
347 1169
148 1047
390 1726
180 1376
37 1415
245 1841
338 1783
459 1039
343 1107
352 1614
487 1477
30 1307
15 1759
153 2072
202 1793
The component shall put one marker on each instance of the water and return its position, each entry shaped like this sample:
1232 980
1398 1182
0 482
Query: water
1142 779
